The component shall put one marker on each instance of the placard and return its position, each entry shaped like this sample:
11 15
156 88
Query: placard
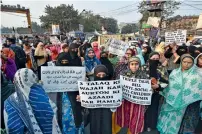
61 79
118 47
178 37
55 29
154 21
136 90
100 94
199 24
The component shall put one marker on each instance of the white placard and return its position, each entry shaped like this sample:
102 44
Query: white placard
199 24
136 90
100 94
178 37
154 21
62 79
118 47
55 29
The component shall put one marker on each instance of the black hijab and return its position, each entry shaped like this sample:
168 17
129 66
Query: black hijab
98 69
64 56
192 50
73 54
105 61
146 55
197 52
182 50
153 64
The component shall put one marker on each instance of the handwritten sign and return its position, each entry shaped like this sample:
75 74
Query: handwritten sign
117 47
62 79
100 94
136 90
178 37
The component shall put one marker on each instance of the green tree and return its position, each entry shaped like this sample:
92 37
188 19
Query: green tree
129 28
170 6
64 15
36 28
110 24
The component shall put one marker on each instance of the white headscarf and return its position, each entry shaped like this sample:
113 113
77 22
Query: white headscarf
195 61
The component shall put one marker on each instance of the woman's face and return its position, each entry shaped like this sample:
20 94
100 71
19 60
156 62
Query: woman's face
101 74
144 49
155 57
134 66
91 54
187 63
104 55
128 54
66 49
200 61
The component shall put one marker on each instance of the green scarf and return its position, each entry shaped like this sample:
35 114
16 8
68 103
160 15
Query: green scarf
114 60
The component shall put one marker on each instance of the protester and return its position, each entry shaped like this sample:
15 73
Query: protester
8 63
197 51
129 114
29 109
158 75
123 63
31 63
140 56
198 62
83 47
146 52
20 56
42 57
105 61
180 111
7 88
65 48
96 49
71 116
101 118
90 63
113 59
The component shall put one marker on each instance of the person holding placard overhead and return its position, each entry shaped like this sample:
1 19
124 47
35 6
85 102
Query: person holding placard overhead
129 114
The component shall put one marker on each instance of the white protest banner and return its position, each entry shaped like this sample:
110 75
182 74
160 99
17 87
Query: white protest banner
154 21
62 79
199 24
100 94
118 47
55 29
136 90
178 37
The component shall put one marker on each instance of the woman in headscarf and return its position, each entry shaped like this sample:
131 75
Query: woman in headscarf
198 62
146 51
123 63
8 63
29 109
129 114
90 63
100 118
42 57
69 110
197 51
140 56
113 59
96 49
31 63
159 77
105 61
180 110
83 48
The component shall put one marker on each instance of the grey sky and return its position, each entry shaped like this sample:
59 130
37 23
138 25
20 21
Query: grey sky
98 7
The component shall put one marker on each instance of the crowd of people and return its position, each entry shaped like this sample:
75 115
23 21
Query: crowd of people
175 71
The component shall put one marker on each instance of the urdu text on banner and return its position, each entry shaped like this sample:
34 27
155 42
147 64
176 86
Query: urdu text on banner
62 79
100 94
136 90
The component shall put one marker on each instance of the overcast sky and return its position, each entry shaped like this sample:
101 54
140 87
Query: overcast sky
127 14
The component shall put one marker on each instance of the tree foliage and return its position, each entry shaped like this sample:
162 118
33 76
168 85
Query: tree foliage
69 19
36 28
64 15
129 28
170 6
